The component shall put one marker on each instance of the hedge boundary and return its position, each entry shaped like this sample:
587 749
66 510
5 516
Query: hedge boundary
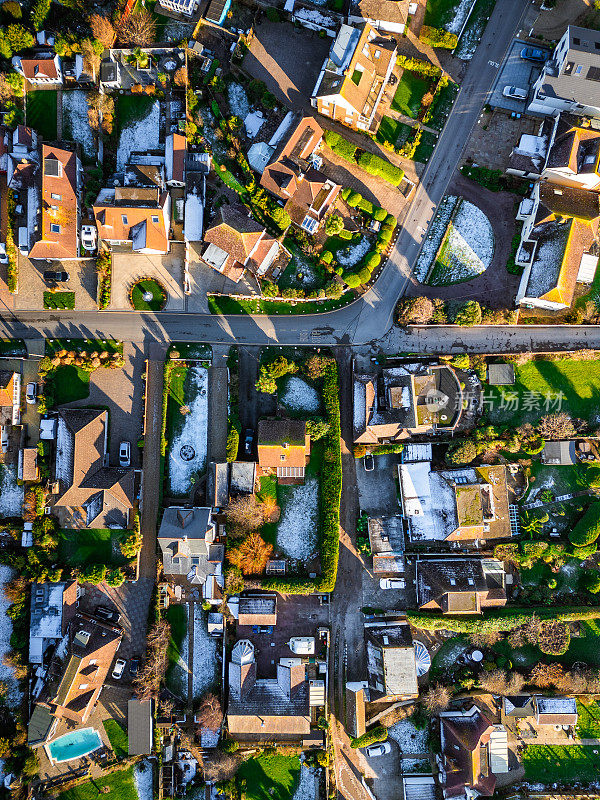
505 620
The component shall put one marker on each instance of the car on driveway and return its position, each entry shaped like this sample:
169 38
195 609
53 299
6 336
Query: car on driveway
369 463
89 236
125 454
119 669
31 393
56 276
380 749
533 54
515 93
392 583
248 441
3 256
134 666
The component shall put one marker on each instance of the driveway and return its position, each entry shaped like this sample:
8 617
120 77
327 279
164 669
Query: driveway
205 280
288 60
383 774
377 492
128 268
31 285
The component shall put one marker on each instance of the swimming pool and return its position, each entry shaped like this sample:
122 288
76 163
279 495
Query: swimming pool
74 744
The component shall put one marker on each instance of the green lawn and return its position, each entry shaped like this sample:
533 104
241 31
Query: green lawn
393 131
560 479
409 94
313 274
132 108
202 352
579 382
177 618
120 784
223 304
12 347
59 300
588 722
90 545
270 777
440 12
269 488
117 738
447 655
561 764
425 147
54 346
521 656
70 383
156 302
41 112
585 648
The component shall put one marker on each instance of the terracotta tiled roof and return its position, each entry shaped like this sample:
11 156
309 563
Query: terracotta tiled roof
273 434
59 205
235 232
6 388
39 68
137 215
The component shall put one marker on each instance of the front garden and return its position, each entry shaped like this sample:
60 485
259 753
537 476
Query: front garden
59 300
68 365
147 295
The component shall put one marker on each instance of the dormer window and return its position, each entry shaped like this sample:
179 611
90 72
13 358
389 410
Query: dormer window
124 219
155 220
54 228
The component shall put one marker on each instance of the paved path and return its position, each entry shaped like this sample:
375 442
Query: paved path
151 468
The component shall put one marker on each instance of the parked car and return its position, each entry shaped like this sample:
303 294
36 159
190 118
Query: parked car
31 393
119 669
515 93
534 54
3 256
108 614
134 666
89 236
248 441
125 454
56 276
369 463
392 583
378 749
4 438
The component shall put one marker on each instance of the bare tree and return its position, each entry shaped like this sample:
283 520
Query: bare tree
545 675
102 29
415 311
245 513
485 638
91 59
181 77
220 766
437 698
557 426
153 672
210 714
6 90
138 28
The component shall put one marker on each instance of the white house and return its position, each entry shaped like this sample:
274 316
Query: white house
39 70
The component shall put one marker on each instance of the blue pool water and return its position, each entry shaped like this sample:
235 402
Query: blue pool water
75 744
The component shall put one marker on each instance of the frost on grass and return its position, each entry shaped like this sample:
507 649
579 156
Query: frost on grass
307 788
410 740
472 33
205 649
7 676
300 396
304 273
142 775
297 529
238 100
175 31
194 433
180 670
11 495
208 132
352 254
459 15
468 249
139 135
435 236
75 116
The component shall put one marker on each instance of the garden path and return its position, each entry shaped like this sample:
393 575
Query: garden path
190 677
410 121
59 113
561 498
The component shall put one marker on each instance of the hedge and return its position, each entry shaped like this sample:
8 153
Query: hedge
380 214
438 37
366 206
344 234
587 530
233 442
372 260
340 146
364 275
351 279
375 165
506 620
418 66
329 497
378 734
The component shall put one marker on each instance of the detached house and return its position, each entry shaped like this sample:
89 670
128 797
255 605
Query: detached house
46 71
353 77
283 448
60 210
570 80
295 177
391 664
91 494
389 16
236 243
460 585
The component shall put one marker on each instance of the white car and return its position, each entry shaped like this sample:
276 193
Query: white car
392 583
378 749
515 93
31 393
125 454
3 256
89 236
119 669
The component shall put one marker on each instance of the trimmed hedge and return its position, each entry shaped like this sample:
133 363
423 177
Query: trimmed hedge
587 530
371 163
340 146
381 169
233 442
506 620
378 734
438 37
418 66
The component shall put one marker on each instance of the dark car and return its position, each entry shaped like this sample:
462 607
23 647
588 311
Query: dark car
102 612
134 666
56 276
533 54
248 441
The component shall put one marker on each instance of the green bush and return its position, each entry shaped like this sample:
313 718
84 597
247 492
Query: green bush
418 66
364 275
372 260
377 166
504 620
385 449
377 734
366 206
391 220
380 214
587 530
385 235
331 139
40 11
326 257
354 199
467 313
233 441
344 149
345 193
351 279
346 235
591 581
438 37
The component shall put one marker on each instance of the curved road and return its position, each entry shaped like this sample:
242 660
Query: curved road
368 319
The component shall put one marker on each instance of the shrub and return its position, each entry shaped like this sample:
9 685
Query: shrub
233 442
437 37
414 310
334 225
341 147
462 452
377 734
271 372
115 577
504 620
418 66
372 260
379 214
351 279
326 257
354 199
251 555
375 165
364 275
12 8
391 220
345 193
317 428
467 313
39 13
366 206
591 581
347 235
587 530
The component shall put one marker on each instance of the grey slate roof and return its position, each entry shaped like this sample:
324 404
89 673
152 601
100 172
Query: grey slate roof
139 727
584 51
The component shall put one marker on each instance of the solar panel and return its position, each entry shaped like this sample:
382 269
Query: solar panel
215 10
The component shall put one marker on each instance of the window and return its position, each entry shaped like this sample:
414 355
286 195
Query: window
54 209
578 69
55 228
93 662
195 560
56 196
83 685
124 219
576 40
377 53
309 224
282 457
155 219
